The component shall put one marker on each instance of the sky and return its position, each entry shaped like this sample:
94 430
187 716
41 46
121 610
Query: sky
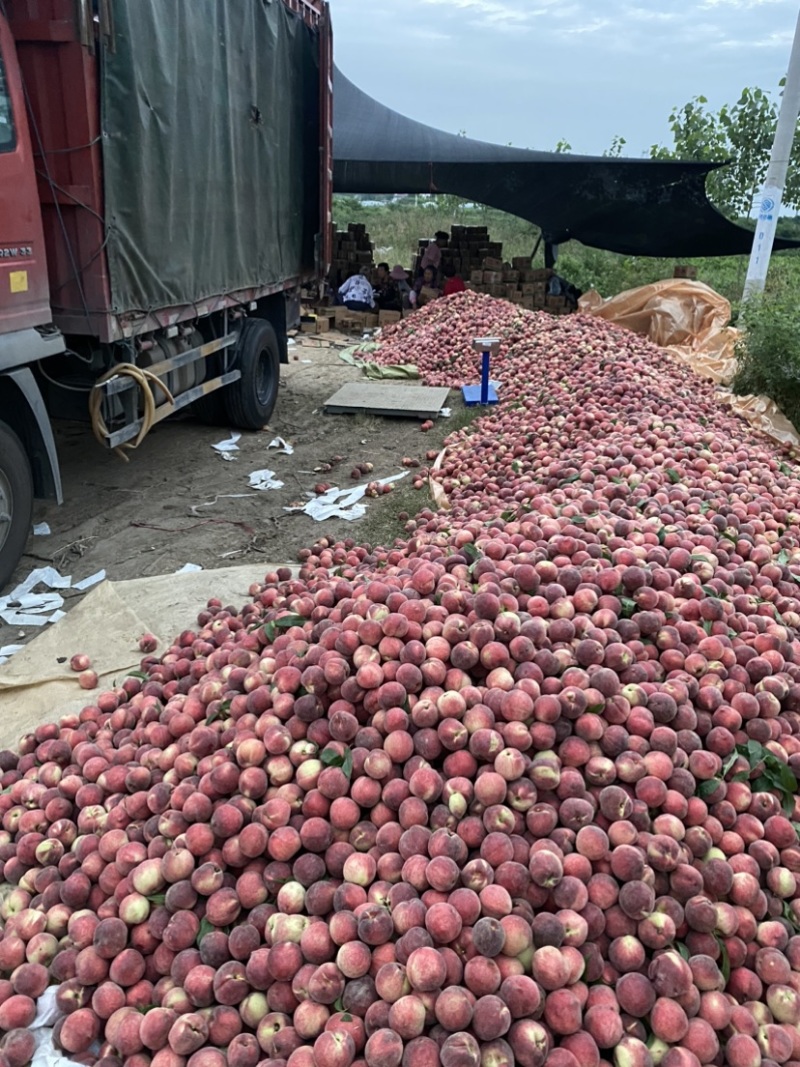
534 72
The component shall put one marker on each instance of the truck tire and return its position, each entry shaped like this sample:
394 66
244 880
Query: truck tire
251 400
16 501
211 409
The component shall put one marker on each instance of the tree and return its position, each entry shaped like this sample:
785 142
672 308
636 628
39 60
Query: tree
563 146
741 133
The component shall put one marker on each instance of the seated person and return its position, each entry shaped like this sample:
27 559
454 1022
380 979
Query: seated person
426 280
453 282
356 293
407 296
386 295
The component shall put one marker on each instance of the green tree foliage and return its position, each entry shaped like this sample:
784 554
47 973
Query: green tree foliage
615 149
741 133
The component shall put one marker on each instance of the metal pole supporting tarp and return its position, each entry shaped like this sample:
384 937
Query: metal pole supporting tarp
772 192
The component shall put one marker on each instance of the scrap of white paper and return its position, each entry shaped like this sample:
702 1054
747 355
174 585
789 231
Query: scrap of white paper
264 480
42 576
7 651
342 503
188 568
24 607
229 445
282 446
41 529
93 579
445 413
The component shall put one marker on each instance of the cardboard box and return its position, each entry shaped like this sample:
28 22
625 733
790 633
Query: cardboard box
491 263
528 288
511 276
492 277
521 263
370 321
353 322
515 297
555 301
385 318
497 291
426 295
476 277
527 303
316 324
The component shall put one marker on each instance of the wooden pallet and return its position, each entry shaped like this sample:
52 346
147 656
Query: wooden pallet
404 401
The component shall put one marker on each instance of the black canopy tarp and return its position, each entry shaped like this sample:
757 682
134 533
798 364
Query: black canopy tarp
636 207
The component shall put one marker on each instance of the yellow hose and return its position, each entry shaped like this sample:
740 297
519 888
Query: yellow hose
147 382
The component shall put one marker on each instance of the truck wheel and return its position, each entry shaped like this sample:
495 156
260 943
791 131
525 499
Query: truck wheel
251 400
16 501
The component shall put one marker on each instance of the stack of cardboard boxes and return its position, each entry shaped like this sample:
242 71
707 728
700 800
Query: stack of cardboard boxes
519 283
352 250
466 250
479 261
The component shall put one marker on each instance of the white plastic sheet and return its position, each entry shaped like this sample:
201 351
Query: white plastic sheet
342 503
228 445
264 480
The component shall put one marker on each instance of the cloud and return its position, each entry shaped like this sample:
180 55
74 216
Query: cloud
782 40
742 5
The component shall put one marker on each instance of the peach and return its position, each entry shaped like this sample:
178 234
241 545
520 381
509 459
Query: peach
426 970
668 1021
384 1048
491 1018
79 1031
334 1048
460 1050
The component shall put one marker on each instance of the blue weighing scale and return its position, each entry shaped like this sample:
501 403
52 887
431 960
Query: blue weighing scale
485 393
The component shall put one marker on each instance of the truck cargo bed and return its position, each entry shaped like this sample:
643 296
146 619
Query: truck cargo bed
182 150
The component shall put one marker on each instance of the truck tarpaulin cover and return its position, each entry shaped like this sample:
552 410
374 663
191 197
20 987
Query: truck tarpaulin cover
210 117
632 206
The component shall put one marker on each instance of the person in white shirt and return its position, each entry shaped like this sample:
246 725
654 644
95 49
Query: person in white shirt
356 294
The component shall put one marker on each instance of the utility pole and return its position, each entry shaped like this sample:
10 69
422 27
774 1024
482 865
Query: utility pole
772 192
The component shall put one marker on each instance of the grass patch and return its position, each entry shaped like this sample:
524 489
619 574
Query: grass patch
768 354
381 525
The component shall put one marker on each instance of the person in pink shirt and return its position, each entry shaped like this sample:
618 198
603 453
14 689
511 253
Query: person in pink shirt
432 256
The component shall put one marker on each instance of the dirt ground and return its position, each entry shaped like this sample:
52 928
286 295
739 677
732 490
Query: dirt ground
135 519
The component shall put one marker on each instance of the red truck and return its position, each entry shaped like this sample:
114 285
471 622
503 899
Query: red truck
165 192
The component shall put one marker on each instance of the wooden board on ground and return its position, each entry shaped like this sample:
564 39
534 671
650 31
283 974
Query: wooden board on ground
410 401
